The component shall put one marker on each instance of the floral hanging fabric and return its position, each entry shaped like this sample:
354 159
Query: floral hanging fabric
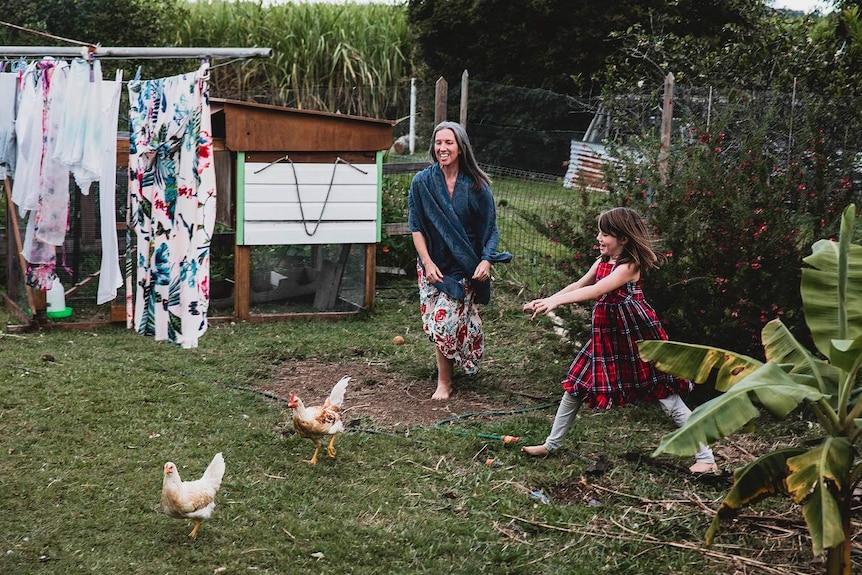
173 202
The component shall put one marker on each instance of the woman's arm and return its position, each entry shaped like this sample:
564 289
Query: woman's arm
432 272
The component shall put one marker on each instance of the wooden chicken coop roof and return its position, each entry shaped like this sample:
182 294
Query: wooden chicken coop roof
253 127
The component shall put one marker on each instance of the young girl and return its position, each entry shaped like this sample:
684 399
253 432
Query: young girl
608 371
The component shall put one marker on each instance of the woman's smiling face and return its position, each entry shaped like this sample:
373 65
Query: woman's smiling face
446 147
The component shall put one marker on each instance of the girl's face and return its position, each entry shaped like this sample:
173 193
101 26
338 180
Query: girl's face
610 246
446 147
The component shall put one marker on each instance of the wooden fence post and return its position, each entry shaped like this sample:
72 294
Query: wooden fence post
465 85
666 127
441 91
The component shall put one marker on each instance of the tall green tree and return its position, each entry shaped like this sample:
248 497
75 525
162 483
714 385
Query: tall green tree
105 22
116 23
556 44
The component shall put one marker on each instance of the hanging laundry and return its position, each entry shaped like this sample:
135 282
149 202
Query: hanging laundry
80 139
172 188
41 189
110 276
8 98
87 144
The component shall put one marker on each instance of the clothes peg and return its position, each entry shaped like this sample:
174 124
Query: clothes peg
90 55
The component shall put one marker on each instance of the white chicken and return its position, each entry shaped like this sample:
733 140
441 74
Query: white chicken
193 500
317 422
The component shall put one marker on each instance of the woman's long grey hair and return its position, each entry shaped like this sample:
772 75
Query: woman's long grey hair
466 159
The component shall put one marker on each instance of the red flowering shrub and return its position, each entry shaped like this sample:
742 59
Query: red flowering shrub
736 215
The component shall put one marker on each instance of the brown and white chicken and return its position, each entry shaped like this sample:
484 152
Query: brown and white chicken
193 500
318 422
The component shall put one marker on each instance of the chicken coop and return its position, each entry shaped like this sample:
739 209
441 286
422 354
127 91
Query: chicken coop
298 220
299 211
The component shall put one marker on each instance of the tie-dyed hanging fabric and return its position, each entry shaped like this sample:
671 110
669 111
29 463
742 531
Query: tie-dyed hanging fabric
172 189
41 189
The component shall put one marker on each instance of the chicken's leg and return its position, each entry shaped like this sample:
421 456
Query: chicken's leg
330 449
197 526
313 459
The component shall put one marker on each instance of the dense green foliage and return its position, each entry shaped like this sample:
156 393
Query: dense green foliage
351 58
508 42
822 476
742 201
105 22
71 23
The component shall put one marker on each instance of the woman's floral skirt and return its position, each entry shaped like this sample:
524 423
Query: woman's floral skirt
454 326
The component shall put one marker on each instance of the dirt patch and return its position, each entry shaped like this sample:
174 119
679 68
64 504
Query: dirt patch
374 394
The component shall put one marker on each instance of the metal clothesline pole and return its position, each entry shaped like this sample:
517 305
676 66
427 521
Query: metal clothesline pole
136 52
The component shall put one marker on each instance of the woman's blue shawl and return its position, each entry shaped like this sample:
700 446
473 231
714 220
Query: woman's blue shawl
459 232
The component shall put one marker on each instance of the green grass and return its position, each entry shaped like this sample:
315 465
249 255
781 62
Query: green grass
84 439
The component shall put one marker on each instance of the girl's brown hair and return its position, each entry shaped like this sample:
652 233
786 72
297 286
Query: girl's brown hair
627 223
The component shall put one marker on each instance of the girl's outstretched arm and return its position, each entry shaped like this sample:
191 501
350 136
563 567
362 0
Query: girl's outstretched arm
621 275
588 278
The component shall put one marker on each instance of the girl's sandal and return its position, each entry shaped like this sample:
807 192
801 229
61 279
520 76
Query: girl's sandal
535 450
701 468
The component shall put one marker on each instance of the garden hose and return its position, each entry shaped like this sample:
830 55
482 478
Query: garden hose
504 438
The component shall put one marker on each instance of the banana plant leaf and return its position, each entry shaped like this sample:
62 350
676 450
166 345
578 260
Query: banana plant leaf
782 348
846 353
762 478
696 362
832 288
769 385
814 479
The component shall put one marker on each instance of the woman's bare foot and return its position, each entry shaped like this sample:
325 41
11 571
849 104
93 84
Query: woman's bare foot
535 450
704 467
444 390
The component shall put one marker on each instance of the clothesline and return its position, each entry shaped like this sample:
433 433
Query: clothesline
143 53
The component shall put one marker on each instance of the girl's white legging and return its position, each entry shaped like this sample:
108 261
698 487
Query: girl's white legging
673 405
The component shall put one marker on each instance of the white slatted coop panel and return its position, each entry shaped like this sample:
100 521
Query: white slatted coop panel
289 203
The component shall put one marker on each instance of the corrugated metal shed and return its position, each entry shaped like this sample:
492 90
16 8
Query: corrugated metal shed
586 166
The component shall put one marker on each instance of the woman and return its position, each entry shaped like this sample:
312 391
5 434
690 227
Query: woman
453 221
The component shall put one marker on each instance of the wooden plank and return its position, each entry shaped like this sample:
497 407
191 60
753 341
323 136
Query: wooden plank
242 287
260 127
224 168
327 158
329 281
666 127
441 92
405 167
370 275
310 212
319 315
19 249
396 229
286 192
293 233
283 173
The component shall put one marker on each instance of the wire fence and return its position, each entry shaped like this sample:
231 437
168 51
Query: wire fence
547 194
524 138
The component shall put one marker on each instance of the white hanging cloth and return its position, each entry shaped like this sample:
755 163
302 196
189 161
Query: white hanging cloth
110 276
